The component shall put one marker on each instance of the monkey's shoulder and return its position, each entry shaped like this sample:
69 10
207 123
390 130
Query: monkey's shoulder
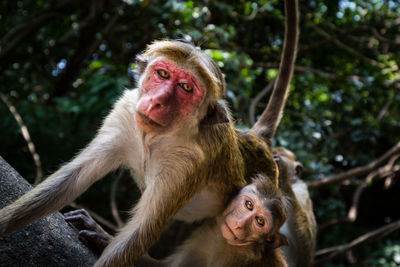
257 154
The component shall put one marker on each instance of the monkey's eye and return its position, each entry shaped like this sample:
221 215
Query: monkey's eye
260 221
248 204
186 86
163 74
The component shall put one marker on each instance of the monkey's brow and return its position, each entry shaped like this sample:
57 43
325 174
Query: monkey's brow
250 189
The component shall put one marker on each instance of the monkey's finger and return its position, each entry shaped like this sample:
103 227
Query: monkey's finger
100 240
76 212
86 222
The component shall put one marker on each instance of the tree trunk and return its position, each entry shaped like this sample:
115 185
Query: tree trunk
47 242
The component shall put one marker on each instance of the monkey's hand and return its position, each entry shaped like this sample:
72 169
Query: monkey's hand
89 230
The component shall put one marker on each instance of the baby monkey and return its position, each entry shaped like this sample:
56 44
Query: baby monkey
245 234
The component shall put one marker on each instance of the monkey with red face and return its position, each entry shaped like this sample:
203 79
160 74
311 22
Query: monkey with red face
176 134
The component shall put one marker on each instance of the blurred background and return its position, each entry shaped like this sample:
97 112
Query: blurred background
64 63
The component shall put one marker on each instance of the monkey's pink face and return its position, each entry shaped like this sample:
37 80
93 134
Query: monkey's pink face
168 93
246 220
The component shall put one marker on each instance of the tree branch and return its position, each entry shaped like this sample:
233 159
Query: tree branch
113 201
27 137
88 43
356 172
347 48
383 172
372 236
49 241
257 99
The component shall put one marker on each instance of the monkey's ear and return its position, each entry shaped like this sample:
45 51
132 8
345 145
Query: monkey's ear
277 240
140 66
298 167
217 113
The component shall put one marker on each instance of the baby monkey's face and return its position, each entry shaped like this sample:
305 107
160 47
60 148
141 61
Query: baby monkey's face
247 219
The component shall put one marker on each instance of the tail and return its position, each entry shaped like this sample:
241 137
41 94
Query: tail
270 118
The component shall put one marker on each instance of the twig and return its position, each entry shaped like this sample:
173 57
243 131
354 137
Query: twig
87 46
113 201
363 239
356 172
383 172
7 44
96 216
27 137
257 99
385 108
324 74
383 39
332 38
347 48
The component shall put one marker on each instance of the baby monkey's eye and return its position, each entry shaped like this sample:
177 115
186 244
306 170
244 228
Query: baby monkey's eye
163 74
248 204
260 221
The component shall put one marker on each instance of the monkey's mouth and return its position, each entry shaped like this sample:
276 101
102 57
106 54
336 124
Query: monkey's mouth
146 120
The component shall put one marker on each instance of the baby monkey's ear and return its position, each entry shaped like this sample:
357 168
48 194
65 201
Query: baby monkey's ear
277 240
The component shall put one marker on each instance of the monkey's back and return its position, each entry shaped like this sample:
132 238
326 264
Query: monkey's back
257 155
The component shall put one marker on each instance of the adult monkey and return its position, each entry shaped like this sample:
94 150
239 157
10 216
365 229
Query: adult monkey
174 132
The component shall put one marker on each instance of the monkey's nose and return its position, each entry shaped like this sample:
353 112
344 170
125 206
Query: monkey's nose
154 104
242 222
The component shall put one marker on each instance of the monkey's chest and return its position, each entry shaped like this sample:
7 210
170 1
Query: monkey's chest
206 203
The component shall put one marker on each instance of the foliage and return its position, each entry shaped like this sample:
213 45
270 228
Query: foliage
63 64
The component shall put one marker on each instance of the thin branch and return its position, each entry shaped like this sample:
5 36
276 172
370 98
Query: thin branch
324 74
23 31
384 109
27 137
87 46
257 99
356 172
323 226
113 201
372 236
383 172
330 38
383 39
96 216
347 48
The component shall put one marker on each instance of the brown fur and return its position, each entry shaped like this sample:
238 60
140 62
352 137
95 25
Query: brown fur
207 247
301 220
201 151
